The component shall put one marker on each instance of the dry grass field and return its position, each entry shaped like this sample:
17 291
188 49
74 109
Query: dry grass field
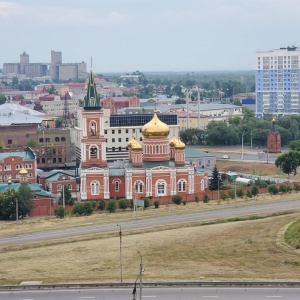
244 250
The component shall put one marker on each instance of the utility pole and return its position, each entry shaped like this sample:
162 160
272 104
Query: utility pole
243 144
198 95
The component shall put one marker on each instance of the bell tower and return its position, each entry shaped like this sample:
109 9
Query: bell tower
94 171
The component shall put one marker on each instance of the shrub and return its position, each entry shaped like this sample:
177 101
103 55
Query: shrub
283 189
205 198
224 196
273 189
196 199
111 206
249 194
184 202
102 205
156 204
88 207
146 203
240 193
231 194
60 212
177 199
123 204
78 209
296 187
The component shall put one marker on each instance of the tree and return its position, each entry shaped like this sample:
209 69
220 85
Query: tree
240 193
224 196
273 189
215 181
231 194
288 162
68 196
123 204
180 101
2 99
177 199
8 201
205 198
254 191
25 199
32 143
294 145
111 206
52 90
156 204
60 212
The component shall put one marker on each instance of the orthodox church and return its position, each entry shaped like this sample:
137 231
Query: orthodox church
156 167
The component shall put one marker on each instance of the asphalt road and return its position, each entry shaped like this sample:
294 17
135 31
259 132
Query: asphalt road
157 294
201 215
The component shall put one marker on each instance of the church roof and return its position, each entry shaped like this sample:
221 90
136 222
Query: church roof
92 100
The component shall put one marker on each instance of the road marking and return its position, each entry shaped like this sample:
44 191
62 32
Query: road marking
273 296
87 297
210 296
148 296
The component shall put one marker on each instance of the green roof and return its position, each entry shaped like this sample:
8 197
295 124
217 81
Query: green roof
92 100
34 187
193 152
27 154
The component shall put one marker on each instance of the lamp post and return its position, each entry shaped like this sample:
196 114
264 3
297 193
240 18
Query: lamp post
243 144
121 266
141 273
235 192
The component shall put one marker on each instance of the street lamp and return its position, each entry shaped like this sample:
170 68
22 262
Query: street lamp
243 144
121 267
141 277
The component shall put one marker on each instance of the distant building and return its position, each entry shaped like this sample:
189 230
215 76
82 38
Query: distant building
249 103
116 103
277 78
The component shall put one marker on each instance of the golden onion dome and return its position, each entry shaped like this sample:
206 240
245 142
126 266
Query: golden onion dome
173 141
179 145
23 172
131 142
136 146
273 120
155 129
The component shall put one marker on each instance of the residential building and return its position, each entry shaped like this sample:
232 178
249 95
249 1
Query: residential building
116 103
277 84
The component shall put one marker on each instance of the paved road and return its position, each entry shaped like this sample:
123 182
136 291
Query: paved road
219 213
158 294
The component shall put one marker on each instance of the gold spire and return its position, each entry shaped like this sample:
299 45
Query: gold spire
155 129
130 143
179 145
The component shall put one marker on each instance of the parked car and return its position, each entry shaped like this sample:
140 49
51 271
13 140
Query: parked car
225 156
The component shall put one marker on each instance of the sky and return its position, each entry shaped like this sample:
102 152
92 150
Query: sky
148 35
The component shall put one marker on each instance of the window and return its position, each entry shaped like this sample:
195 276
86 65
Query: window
47 140
161 188
113 140
7 167
126 130
95 188
59 187
119 130
54 160
181 185
117 186
113 132
157 149
63 139
138 186
59 159
93 128
69 187
28 166
119 139
56 139
93 152
18 166
43 160
105 131
9 142
127 139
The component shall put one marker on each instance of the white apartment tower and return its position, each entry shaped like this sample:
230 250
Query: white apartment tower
277 83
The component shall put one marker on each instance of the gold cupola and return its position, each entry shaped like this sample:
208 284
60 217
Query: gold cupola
130 143
155 129
23 172
173 141
179 145
136 146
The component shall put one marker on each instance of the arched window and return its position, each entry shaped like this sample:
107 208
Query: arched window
7 167
138 186
93 152
181 185
93 128
117 186
161 188
69 187
95 187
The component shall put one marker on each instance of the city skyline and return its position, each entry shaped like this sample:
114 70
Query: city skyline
148 35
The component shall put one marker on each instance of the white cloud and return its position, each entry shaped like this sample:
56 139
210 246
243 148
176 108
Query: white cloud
8 9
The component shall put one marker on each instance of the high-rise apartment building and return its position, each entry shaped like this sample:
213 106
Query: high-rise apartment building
277 81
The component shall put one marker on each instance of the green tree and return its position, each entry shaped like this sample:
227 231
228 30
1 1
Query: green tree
231 194
294 145
240 193
180 101
123 204
111 206
224 196
32 143
215 180
8 200
25 199
177 199
273 189
288 162
2 99
254 191
52 90
205 198
146 203
249 194
68 196
156 204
